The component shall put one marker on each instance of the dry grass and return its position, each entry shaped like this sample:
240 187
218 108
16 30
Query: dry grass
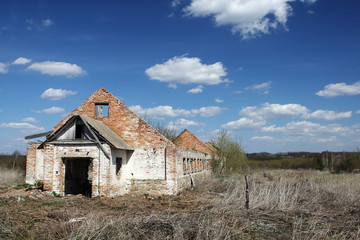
11 177
283 205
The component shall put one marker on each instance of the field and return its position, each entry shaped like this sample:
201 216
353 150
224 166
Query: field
284 204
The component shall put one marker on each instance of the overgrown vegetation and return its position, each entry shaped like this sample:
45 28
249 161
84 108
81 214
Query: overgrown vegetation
229 154
12 169
284 204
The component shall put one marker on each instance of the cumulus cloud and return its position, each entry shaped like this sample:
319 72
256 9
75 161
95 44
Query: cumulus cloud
262 138
198 89
22 126
274 111
244 124
47 22
53 110
219 100
30 119
3 68
308 128
249 18
262 87
21 61
57 94
339 89
162 112
185 70
57 69
183 123
328 115
208 111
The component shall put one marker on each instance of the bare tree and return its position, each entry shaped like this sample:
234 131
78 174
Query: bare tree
168 132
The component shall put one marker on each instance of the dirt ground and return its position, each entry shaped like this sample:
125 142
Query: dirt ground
288 205
29 214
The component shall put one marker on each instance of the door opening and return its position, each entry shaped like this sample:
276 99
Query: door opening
78 176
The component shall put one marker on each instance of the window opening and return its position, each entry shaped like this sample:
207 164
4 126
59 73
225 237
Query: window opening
79 131
101 110
118 166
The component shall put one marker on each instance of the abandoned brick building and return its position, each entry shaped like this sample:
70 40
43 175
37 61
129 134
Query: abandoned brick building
104 148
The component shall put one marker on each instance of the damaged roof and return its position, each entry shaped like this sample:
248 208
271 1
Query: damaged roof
107 133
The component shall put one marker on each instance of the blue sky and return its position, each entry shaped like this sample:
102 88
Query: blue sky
278 75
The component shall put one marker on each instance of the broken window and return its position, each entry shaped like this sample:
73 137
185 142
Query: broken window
184 165
118 166
79 131
101 110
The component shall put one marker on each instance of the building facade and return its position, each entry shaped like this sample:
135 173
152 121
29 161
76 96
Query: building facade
104 148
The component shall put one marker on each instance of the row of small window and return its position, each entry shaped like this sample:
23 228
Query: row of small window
192 165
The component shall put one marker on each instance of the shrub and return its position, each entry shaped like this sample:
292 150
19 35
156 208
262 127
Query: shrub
349 163
229 154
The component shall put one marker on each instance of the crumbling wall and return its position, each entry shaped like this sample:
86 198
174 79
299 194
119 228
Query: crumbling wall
192 166
31 164
121 120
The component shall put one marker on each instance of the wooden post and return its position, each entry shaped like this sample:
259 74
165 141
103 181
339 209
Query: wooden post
247 192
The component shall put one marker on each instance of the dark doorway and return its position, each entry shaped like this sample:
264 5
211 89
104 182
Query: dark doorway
78 176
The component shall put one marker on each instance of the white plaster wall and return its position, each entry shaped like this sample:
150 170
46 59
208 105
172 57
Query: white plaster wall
39 169
146 163
118 183
100 171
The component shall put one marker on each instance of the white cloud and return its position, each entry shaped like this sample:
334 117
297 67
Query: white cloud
219 100
249 18
358 111
175 3
30 119
22 126
328 115
274 111
57 68
53 110
48 22
262 138
326 140
160 112
21 61
185 70
244 124
183 123
208 111
262 87
308 128
172 85
198 89
339 89
308 1
3 68
57 94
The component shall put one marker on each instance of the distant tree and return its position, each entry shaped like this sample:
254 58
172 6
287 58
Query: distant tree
15 156
350 162
229 154
318 162
168 132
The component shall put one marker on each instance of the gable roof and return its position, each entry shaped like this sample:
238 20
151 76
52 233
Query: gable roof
99 127
107 134
187 140
121 120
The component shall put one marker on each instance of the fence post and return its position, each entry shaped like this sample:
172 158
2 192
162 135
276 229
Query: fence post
247 192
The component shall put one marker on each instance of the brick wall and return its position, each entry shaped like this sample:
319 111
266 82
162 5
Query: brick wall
187 140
